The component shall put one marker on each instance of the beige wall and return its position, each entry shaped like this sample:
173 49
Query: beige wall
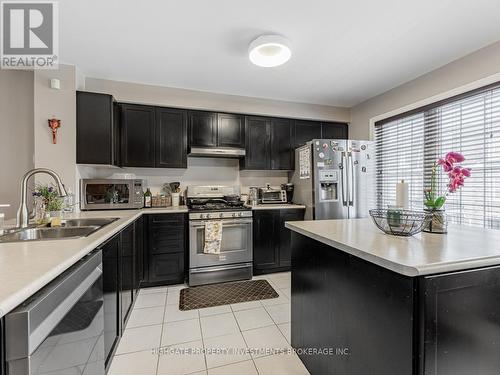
173 97
16 134
200 171
61 104
472 71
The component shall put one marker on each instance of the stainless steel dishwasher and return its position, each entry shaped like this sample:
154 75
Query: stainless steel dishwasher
60 328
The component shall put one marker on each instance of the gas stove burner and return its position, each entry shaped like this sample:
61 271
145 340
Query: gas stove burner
199 204
217 207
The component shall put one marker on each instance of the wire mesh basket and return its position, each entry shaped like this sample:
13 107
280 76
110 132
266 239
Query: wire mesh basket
400 222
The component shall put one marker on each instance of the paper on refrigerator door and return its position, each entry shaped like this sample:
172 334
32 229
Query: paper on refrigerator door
305 163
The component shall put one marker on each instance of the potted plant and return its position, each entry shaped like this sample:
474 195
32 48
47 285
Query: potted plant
48 203
434 202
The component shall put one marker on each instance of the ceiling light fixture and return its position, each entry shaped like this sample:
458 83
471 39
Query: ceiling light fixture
269 51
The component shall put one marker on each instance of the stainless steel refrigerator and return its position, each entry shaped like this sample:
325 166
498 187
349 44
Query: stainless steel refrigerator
334 179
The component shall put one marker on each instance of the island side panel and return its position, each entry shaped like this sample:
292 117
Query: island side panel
460 320
361 311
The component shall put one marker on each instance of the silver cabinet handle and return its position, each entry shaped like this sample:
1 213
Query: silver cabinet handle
351 180
344 179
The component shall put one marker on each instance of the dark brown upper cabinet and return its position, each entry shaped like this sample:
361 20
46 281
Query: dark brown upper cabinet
268 144
334 130
281 144
202 129
305 131
257 143
137 135
171 138
97 135
230 130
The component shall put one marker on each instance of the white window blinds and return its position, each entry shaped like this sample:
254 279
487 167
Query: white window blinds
408 145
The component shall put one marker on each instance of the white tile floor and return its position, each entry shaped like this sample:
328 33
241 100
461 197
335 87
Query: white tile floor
156 322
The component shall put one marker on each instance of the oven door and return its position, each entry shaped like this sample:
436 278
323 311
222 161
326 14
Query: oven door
236 246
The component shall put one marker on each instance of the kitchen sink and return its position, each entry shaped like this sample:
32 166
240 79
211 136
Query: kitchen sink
39 234
101 222
73 228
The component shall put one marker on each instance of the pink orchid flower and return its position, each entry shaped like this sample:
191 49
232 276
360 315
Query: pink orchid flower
454 157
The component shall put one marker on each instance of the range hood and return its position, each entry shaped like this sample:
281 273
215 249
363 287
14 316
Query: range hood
217 152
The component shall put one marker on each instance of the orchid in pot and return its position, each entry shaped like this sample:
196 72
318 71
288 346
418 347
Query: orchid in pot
434 202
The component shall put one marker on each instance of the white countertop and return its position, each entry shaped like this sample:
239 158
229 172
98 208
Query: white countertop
464 247
276 206
25 267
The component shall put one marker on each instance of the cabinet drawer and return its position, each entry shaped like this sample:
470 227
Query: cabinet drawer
167 219
166 267
167 246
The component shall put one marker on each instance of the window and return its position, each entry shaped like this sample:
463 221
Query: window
408 145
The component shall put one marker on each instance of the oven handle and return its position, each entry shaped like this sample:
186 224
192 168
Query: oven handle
223 268
225 224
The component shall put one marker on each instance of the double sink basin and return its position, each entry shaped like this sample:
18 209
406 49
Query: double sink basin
72 228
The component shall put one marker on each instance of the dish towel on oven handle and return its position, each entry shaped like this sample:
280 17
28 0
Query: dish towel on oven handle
213 237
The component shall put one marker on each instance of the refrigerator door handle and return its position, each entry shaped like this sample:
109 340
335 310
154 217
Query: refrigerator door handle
351 180
344 178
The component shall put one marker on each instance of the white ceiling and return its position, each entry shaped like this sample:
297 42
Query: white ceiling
344 52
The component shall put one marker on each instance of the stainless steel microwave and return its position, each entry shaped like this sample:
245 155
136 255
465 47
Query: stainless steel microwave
109 194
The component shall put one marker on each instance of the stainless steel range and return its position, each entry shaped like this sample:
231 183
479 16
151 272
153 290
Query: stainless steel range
208 204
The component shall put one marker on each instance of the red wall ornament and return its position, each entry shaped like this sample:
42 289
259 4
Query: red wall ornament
54 124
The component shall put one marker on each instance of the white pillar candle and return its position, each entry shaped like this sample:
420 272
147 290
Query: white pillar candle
402 196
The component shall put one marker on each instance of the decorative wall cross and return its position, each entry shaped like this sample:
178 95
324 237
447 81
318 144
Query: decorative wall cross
54 124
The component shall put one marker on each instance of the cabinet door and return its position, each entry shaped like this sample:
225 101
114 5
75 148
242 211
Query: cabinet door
257 143
171 138
202 129
306 131
460 323
333 130
139 253
110 272
285 244
281 145
231 130
96 139
127 271
137 133
265 251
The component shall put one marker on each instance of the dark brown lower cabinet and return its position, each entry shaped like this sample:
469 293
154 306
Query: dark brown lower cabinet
166 251
127 271
370 320
139 253
271 240
112 311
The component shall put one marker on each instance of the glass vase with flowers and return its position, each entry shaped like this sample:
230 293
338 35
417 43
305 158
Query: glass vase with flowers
48 203
434 201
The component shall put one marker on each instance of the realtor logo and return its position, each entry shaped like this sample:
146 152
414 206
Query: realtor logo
29 35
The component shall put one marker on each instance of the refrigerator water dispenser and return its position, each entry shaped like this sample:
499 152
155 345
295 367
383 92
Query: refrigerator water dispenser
328 185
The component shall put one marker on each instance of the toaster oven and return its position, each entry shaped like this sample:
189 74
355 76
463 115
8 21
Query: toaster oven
111 194
269 195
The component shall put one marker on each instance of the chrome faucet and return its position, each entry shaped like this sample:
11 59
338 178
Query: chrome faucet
22 212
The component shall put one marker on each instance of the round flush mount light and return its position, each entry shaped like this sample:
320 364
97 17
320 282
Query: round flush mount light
269 51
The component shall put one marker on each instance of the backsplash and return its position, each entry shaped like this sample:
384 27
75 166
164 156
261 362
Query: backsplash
200 171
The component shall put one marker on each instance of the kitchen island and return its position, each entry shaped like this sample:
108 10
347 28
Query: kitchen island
364 302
